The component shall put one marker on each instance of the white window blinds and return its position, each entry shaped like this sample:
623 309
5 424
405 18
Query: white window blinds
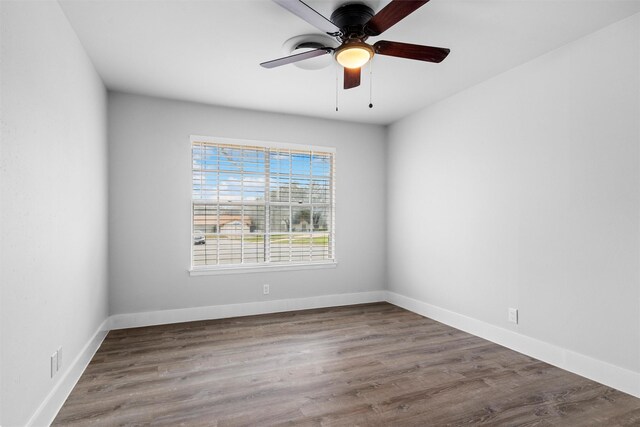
256 205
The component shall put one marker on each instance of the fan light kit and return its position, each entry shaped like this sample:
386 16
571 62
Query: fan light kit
351 25
354 54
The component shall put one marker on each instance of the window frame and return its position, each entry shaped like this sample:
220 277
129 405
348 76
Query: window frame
267 265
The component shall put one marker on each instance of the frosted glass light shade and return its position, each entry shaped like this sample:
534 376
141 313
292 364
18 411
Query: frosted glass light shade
354 56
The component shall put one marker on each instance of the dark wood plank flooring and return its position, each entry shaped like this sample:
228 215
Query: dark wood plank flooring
367 365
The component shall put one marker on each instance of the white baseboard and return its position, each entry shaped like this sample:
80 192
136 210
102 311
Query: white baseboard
48 409
605 373
597 370
162 317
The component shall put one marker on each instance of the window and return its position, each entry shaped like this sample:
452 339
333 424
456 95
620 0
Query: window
260 204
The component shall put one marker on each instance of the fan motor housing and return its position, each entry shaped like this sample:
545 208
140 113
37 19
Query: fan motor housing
351 18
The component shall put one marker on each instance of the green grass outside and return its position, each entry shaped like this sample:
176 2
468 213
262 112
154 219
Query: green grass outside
318 240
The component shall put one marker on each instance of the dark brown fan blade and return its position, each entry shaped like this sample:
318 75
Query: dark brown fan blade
411 51
391 14
297 57
304 11
351 77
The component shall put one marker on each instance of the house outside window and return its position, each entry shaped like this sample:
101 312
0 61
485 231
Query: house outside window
257 204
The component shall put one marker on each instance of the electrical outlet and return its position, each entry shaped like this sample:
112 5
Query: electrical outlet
59 352
513 315
54 364
265 289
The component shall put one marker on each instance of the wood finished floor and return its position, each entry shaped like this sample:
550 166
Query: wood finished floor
368 365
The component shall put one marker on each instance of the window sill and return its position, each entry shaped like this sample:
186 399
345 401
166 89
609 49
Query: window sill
243 269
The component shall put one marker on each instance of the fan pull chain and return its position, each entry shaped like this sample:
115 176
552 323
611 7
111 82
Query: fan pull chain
337 68
371 83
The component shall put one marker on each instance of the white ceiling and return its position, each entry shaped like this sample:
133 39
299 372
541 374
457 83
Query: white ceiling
209 51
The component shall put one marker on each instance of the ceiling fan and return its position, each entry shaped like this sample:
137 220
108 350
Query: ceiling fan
352 24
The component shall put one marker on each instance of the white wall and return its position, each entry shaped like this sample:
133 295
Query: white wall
53 177
524 192
149 209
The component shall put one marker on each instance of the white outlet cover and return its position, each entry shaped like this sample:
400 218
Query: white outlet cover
513 315
265 289
54 364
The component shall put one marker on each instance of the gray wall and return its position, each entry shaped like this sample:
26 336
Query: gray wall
53 195
524 192
149 209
